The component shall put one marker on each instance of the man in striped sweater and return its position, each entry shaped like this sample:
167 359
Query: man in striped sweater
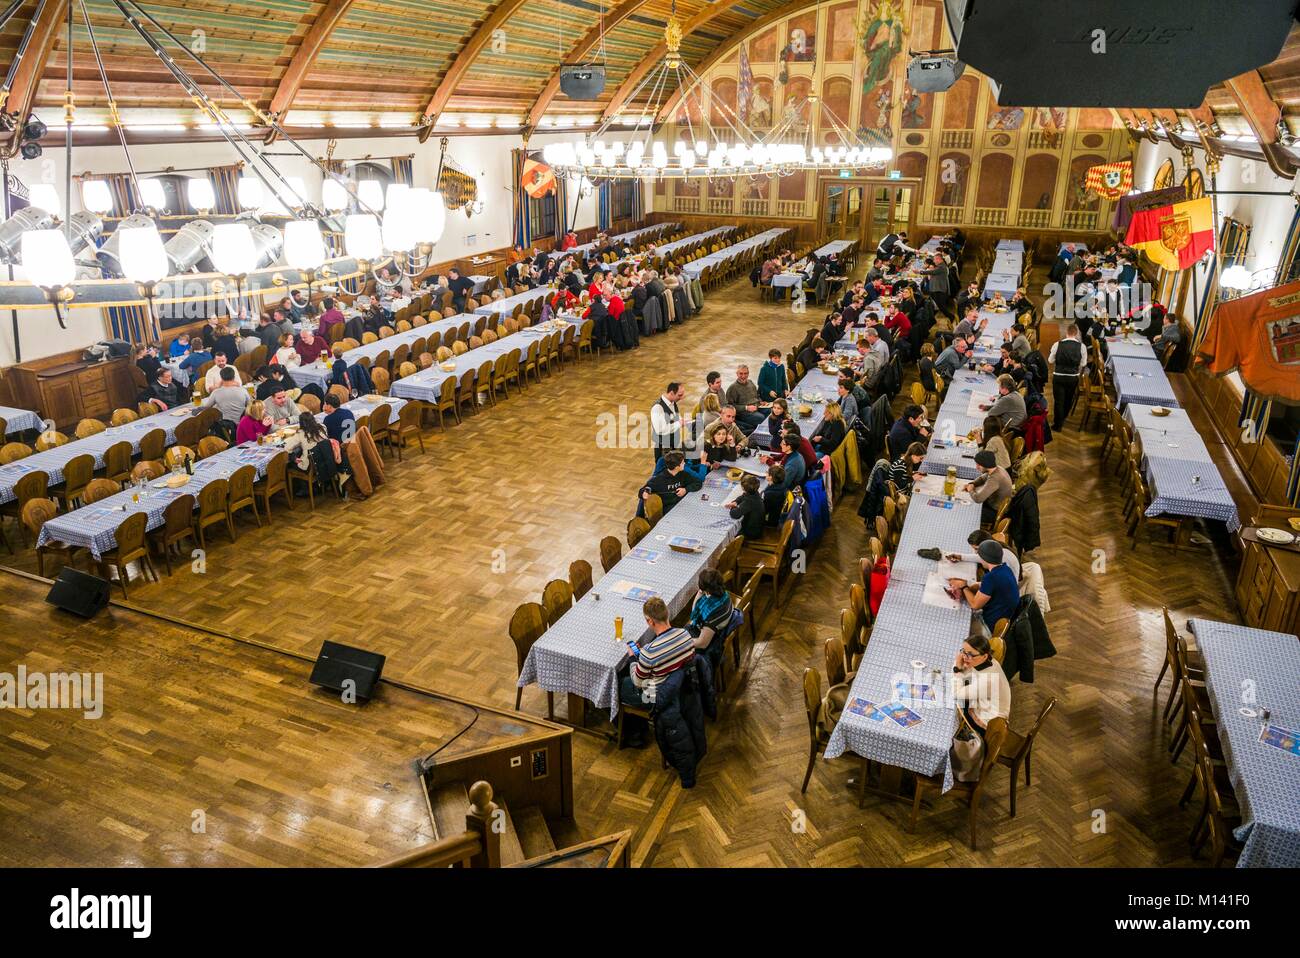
667 650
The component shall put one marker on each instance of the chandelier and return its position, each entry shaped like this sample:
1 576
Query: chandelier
729 149
66 265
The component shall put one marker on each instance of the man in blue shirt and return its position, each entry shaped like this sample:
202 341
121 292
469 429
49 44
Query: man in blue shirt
340 424
998 594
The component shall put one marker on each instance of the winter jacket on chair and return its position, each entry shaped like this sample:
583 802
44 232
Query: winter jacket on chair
682 699
1027 640
1023 513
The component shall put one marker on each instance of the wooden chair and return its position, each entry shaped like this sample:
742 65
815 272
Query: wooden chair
33 485
1221 813
240 494
99 489
275 481
178 525
1018 750
131 547
1141 502
209 446
407 426
836 669
13 451
379 376
1195 666
147 470
458 348
88 427
557 599
754 559
653 506
611 552
466 391
153 444
122 416
580 577
819 737
212 510
994 738
380 417
526 627
485 385
50 440
746 606
637 529
728 563
77 473
176 456
35 514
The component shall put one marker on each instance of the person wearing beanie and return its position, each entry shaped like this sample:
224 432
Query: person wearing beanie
998 593
991 488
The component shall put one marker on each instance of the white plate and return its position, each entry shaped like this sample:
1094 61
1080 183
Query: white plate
1249 713
918 664
1280 536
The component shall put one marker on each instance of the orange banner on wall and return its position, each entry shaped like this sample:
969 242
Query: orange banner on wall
1258 335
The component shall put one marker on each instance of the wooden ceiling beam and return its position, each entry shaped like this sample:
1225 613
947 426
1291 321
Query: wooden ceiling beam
1264 118
578 52
465 58
27 79
656 55
304 58
722 49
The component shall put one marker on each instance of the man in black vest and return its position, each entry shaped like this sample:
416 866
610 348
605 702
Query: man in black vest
1067 355
666 421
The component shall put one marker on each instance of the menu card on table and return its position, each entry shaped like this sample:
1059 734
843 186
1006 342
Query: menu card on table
1288 740
630 590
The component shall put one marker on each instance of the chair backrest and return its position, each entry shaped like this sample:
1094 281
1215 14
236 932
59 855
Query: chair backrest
611 551
99 489
88 427
211 445
177 455
241 484
178 515
381 380
309 402
637 529
812 699
580 577
13 451
37 512
340 393
458 348
997 644
526 627
557 599
130 535
834 651
78 471
995 736
123 416
212 498
50 440
148 469
653 506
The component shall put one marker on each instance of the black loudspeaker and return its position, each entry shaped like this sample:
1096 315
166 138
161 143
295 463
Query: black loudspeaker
1104 53
582 81
78 592
343 668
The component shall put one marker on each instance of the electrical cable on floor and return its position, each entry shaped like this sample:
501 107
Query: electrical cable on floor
426 763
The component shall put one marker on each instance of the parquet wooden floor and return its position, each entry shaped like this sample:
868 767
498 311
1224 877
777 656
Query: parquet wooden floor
429 571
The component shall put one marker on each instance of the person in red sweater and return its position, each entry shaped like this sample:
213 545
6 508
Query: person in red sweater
310 347
899 325
569 242
253 424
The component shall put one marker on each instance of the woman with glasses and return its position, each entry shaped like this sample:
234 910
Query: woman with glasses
981 693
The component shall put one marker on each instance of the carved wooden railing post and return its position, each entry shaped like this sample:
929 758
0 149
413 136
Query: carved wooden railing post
479 819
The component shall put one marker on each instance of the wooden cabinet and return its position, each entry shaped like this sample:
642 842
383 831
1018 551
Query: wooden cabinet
67 392
1268 585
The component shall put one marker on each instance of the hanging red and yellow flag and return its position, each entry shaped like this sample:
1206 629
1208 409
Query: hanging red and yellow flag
1176 236
1111 180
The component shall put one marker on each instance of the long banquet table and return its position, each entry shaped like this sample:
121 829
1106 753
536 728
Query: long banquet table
318 374
19 420
53 461
1248 670
694 269
94 527
629 236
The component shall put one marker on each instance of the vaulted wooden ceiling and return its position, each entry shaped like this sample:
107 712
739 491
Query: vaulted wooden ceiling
475 63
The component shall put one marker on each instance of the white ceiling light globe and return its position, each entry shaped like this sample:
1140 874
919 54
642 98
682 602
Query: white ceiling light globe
141 253
47 259
371 194
361 236
233 251
200 193
304 247
334 195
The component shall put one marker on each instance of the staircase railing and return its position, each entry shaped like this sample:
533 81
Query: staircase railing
479 846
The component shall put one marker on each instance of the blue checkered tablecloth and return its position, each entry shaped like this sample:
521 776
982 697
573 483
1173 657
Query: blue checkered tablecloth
19 420
833 247
1133 347
579 654
1183 487
630 236
687 242
52 461
507 304
1004 283
816 382
782 280
1140 380
1160 428
694 269
1253 669
427 383
94 527
317 374
1011 244
907 630
953 422
1008 261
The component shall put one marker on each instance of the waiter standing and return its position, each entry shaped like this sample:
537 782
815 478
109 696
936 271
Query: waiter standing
1067 356
666 421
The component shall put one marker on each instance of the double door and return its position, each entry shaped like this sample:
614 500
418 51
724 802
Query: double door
866 209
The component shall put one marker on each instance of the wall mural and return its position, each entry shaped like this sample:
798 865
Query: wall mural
980 162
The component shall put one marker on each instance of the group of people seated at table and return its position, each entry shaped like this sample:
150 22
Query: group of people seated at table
825 274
